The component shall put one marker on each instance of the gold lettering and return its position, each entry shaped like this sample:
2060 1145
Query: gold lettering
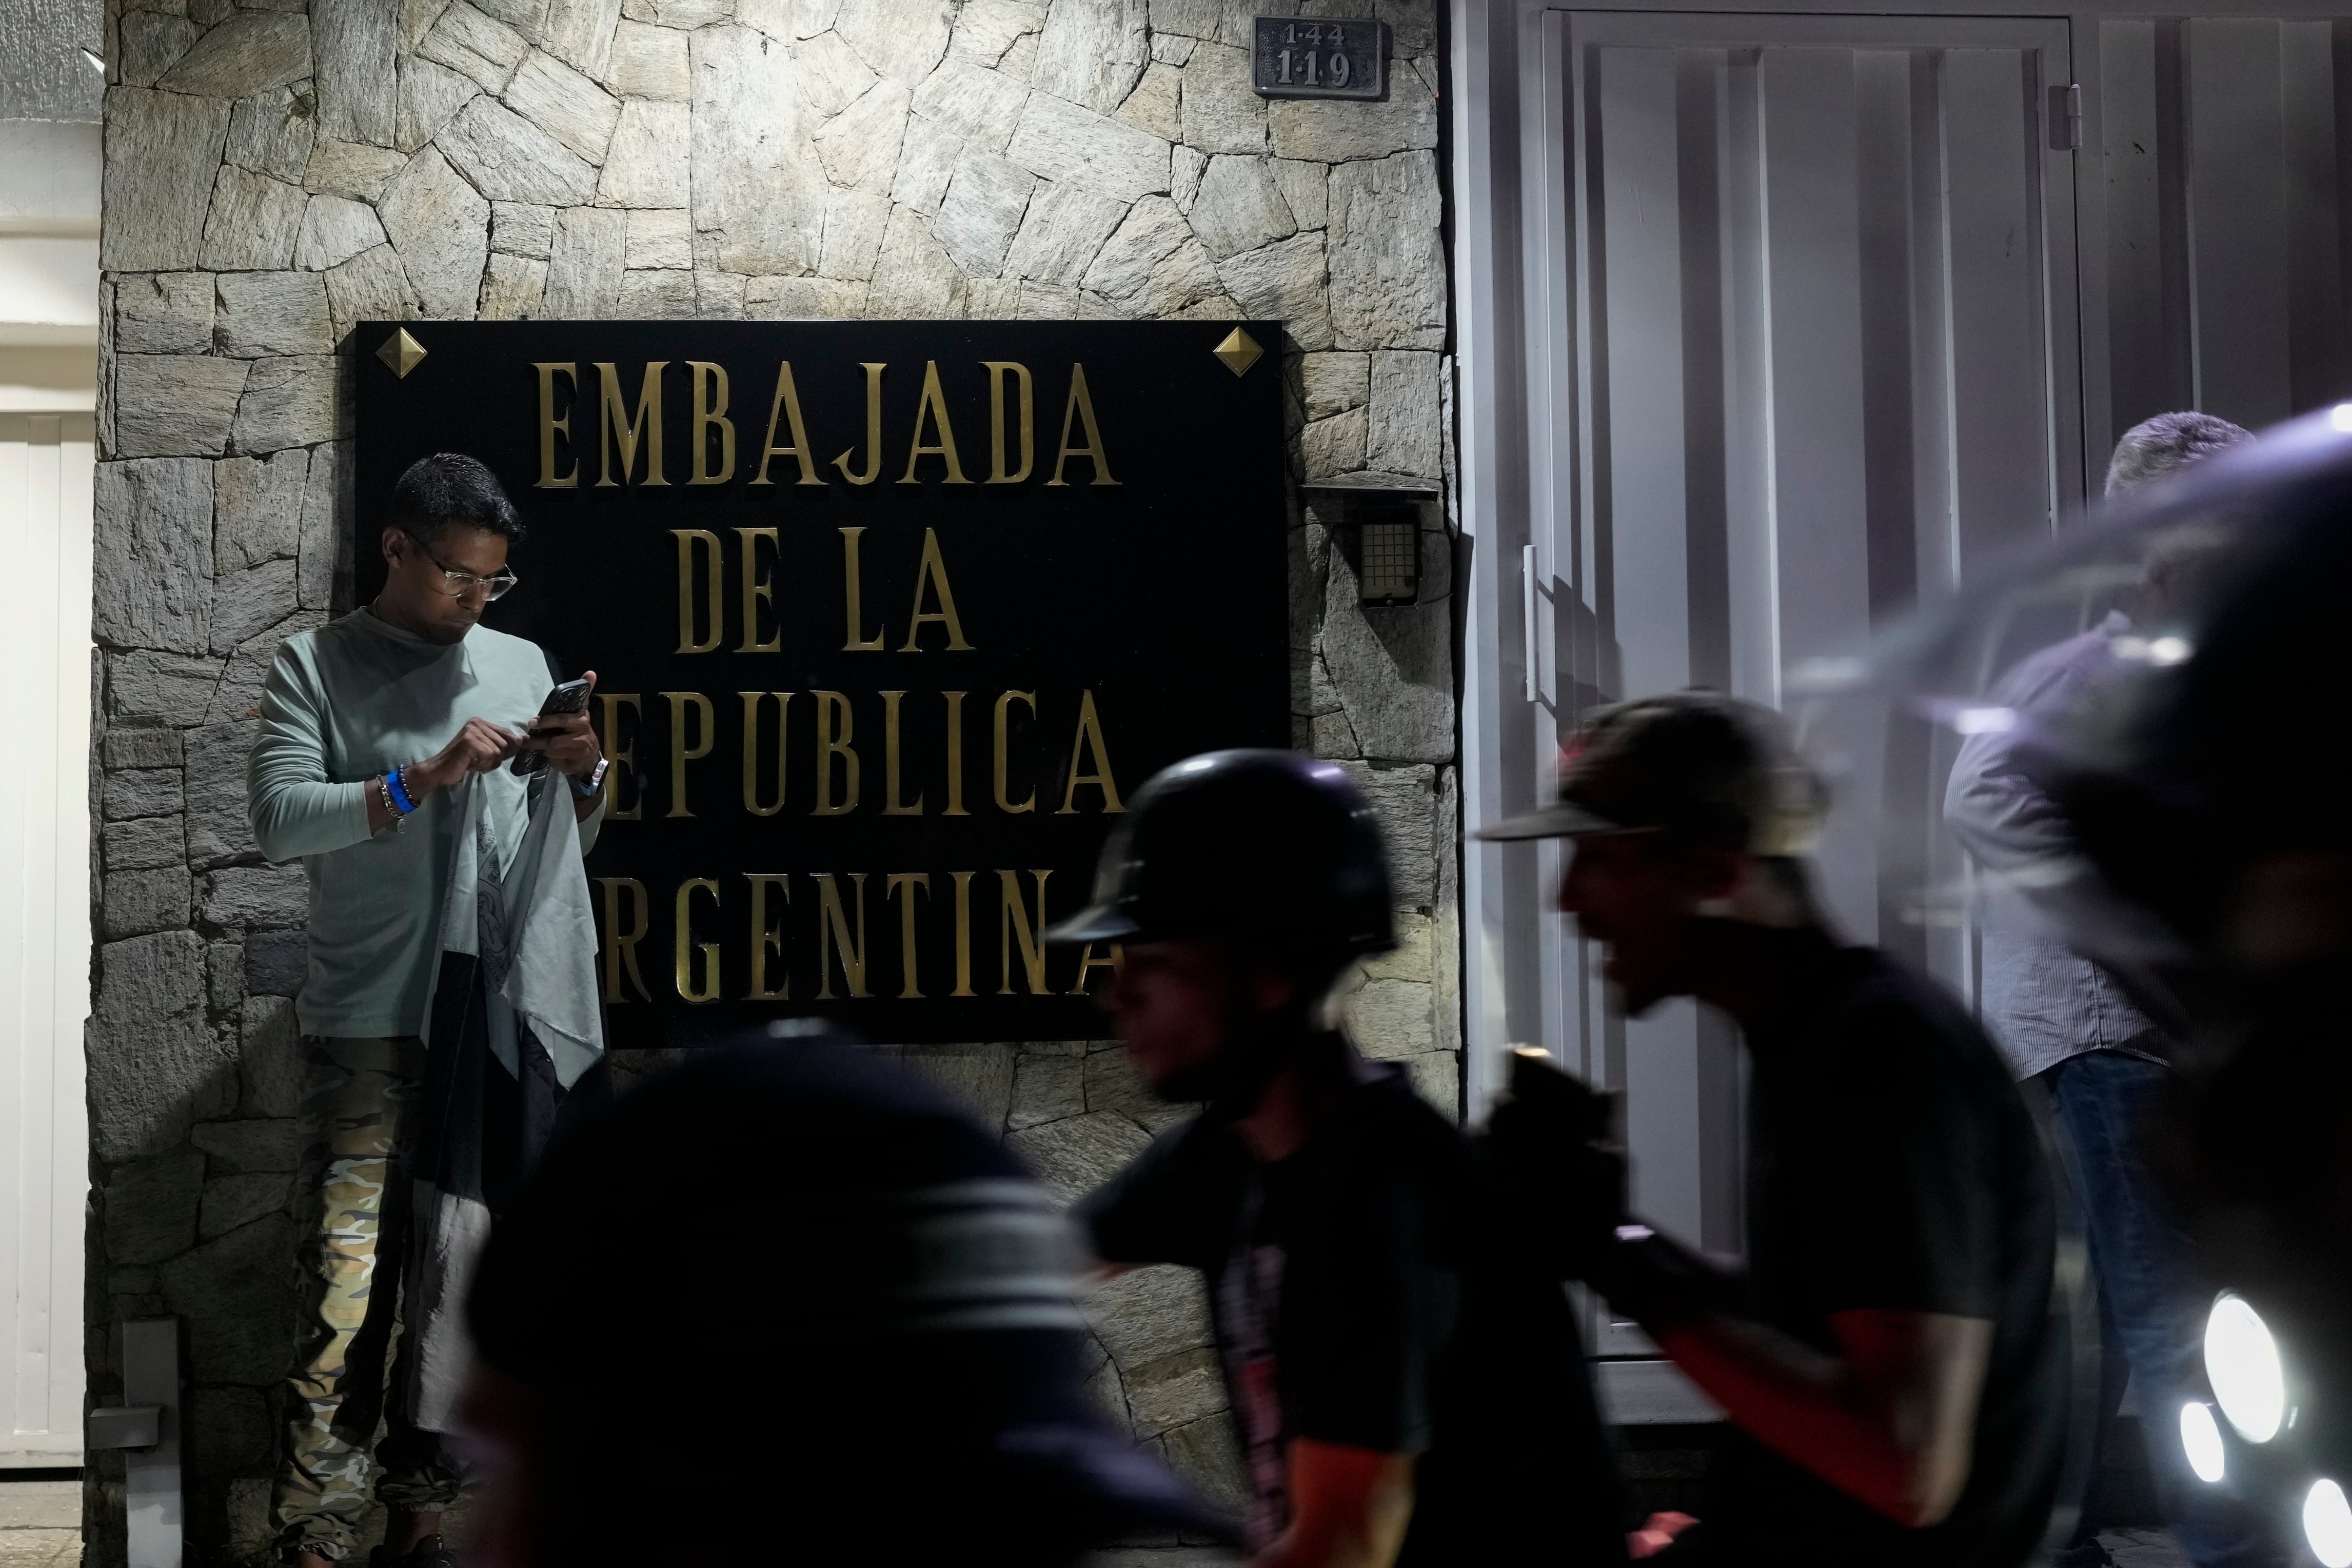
932 573
788 406
710 413
934 407
680 754
767 938
751 749
692 542
621 946
623 757
910 880
891 805
835 723
873 434
963 934
1016 928
955 754
1004 802
549 427
833 935
1087 961
645 423
708 991
997 369
1089 740
757 590
854 597
1081 408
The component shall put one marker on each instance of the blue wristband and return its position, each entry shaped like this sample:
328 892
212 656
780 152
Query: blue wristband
400 792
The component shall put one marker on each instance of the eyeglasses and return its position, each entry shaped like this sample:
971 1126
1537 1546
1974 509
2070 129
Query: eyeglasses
462 583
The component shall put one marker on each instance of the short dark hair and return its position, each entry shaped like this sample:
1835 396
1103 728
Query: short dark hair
450 487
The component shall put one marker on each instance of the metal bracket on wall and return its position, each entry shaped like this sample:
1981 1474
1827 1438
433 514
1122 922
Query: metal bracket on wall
146 1428
2066 117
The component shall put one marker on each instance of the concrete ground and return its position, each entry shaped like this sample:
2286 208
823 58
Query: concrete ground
40 1522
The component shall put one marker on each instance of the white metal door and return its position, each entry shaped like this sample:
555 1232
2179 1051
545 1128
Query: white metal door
44 843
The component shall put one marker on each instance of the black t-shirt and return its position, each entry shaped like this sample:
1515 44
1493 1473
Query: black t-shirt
1893 1165
1363 1298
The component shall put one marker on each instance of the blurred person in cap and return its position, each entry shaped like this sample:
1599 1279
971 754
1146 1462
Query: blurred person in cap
1890 1358
803 1308
2065 1022
1405 1389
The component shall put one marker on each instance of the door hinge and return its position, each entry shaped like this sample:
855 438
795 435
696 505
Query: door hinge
2066 117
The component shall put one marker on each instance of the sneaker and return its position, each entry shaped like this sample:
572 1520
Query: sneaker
432 1552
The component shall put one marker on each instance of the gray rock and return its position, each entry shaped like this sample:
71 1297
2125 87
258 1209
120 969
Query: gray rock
441 228
474 46
1207 1457
217 829
1334 131
287 401
276 963
565 104
1390 1020
335 229
982 210
358 41
142 792
508 159
1387 259
1114 1086
1153 266
1239 207
927 158
273 313
259 898
326 502
244 1148
271 133
371 286
235 1293
832 76
151 1063
1065 227
251 52
1284 282
754 185
145 844
250 601
1046 1089
580 33
161 149
718 295
583 271
1148 1314
149 44
258 510
1332 382
648 62
1171 1391
1221 114
513 289
1186 19
230 1201
151 688
1393 670
352 169
660 238
859 146
1305 188
1058 140
984 29
151 1207
522 228
136 748
683 13
153 555
787 20
528 18
650 157
914 277
1077 1154
855 222
253 222
981 1076
1330 447
1153 105
139 901
225 976
901 39
164 313
430 95
971 103
664 296
803 298
231 1432
1407 418
1092 52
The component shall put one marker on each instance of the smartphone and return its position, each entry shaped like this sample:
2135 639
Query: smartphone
570 697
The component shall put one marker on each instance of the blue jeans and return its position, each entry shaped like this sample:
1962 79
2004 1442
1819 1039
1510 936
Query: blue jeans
2151 1309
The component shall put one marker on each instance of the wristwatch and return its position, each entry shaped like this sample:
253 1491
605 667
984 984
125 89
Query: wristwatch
585 788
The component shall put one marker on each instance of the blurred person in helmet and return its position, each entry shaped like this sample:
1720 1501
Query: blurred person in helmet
1406 1390
2062 1021
1890 1359
789 1303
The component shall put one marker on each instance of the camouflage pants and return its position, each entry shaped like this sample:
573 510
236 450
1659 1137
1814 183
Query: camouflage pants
356 1095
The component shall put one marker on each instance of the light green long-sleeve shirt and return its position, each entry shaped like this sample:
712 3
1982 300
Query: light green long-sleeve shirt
345 703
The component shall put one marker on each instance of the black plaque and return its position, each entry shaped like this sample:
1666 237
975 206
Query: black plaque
1108 596
1320 57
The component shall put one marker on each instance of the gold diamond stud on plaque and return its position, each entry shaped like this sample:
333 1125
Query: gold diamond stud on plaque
402 353
1239 352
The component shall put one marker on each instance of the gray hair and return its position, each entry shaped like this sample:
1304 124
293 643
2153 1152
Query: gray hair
2170 442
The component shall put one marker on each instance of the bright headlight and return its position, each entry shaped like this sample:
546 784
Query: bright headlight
2328 1524
2242 1361
2201 1439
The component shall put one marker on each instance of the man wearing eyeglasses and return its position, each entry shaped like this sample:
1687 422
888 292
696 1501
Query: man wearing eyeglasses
367 726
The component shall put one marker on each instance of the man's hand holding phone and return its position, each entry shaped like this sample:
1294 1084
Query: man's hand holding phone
566 738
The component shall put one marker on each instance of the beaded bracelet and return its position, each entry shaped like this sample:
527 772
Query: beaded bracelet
397 786
383 789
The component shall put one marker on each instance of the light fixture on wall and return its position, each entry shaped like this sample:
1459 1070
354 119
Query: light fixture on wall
1385 520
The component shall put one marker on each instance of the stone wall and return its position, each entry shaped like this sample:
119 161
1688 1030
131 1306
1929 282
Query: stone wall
276 171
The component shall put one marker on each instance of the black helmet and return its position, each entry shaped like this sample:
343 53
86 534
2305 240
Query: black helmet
1267 847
